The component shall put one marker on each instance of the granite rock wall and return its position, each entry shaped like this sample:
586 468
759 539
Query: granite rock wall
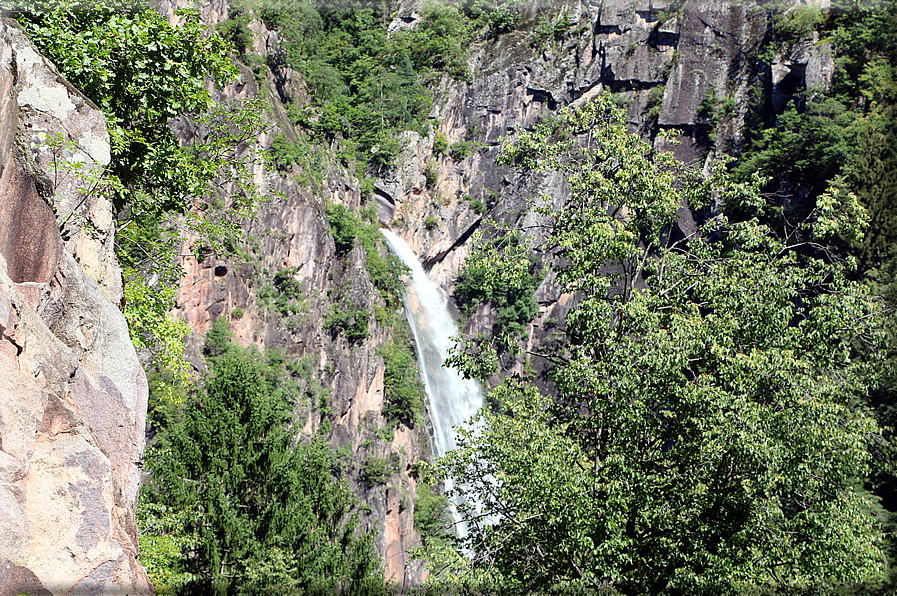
72 392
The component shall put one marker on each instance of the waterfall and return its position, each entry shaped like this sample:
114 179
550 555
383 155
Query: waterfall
453 399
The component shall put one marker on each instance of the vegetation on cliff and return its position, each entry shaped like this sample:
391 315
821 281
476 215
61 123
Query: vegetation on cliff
236 500
366 84
710 428
846 135
845 131
145 73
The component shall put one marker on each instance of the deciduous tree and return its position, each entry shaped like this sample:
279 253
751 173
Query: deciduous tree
703 435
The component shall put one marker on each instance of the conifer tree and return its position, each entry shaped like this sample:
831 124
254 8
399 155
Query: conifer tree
270 517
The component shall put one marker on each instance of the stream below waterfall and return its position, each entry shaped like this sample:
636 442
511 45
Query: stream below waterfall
452 398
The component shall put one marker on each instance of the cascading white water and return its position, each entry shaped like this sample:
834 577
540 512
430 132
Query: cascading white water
453 399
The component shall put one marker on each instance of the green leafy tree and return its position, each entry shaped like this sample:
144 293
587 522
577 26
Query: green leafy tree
703 436
144 73
268 515
846 133
514 295
153 328
431 516
440 41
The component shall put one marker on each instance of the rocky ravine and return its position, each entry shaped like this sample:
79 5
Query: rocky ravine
661 59
72 392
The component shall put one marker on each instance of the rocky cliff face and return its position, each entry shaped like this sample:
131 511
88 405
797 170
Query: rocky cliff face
343 380
683 65
688 66
72 392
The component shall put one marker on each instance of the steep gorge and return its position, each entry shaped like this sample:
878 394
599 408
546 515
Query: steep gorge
662 71
61 330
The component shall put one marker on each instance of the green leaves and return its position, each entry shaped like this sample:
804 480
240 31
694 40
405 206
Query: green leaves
401 382
143 73
151 327
510 287
701 436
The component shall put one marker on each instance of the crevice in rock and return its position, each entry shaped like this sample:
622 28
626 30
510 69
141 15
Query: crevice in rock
608 30
428 262
542 96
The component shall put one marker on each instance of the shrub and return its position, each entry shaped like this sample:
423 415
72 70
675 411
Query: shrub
515 300
237 313
431 222
431 174
655 101
376 471
440 41
344 227
460 150
499 17
236 29
402 384
431 517
354 323
440 144
218 339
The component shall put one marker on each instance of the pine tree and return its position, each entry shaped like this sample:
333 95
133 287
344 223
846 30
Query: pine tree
270 518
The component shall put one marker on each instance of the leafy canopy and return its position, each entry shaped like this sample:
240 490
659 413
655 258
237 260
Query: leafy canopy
702 435
145 74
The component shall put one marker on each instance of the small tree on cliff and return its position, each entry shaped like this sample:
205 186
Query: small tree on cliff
149 77
702 439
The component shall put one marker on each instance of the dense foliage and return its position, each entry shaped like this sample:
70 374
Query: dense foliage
845 134
238 505
514 297
401 382
366 84
703 436
431 516
846 131
144 73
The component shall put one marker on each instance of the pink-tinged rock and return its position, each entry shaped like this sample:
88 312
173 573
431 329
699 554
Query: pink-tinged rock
28 234
66 136
72 391
77 541
16 579
110 388
66 495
